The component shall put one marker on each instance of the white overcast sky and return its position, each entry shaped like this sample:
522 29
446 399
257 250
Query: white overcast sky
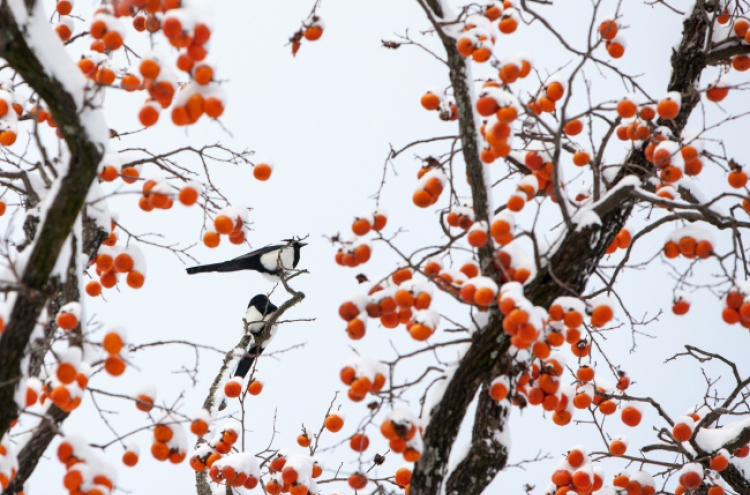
327 117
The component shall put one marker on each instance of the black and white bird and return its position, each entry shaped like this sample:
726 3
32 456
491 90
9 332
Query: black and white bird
271 261
259 311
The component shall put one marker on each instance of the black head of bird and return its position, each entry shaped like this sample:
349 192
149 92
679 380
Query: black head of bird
262 305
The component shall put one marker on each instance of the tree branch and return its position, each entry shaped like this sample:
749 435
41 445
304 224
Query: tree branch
202 485
573 262
63 208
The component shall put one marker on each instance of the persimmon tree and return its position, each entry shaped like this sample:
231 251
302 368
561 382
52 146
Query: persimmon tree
537 302
546 186
61 163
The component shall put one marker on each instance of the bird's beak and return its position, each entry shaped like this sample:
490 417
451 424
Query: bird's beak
302 244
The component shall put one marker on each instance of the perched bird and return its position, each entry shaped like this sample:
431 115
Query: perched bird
271 261
259 311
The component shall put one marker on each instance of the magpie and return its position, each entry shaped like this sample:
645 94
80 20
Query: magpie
270 261
259 311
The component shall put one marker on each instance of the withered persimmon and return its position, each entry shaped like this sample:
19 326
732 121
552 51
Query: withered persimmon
355 329
334 423
232 389
608 30
188 195
149 69
555 91
114 365
347 375
361 226
671 250
617 447
741 63
573 127
359 442
303 440
223 224
93 288
615 49
607 407
313 33
626 108
498 391
737 179
691 480
465 46
129 174
581 158
631 416
262 172
668 109
211 239
430 101
508 25
148 115
237 237
66 321
585 373
357 481
112 40
681 307
516 203
130 458
66 373
575 458
123 263
64 7
135 279
160 451
719 462
199 427
402 477
481 54
144 403
203 74
477 238
213 107
486 106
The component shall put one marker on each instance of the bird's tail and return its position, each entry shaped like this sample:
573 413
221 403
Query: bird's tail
224 266
247 361
244 366
213 267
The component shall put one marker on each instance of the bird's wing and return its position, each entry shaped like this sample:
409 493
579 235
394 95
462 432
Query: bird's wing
247 361
282 258
252 315
259 252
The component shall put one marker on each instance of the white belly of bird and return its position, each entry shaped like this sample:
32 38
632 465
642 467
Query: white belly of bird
255 321
284 259
252 315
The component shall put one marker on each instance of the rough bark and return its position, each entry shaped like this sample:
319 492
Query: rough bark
487 347
572 264
490 341
487 454
468 133
65 291
736 480
201 477
29 456
731 475
60 215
